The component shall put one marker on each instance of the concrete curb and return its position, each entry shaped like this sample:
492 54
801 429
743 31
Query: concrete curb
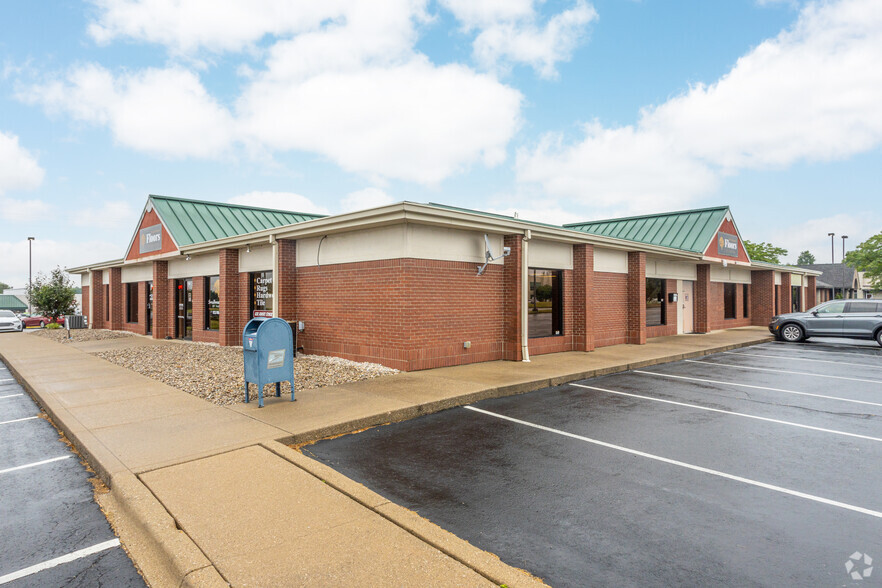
482 562
411 412
164 555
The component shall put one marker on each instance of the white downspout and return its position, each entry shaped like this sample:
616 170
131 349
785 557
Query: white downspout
525 296
275 244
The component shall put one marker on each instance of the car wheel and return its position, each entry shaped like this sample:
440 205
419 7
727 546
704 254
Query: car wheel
42 324
879 337
792 333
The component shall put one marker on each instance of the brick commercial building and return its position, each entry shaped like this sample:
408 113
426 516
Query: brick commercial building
416 286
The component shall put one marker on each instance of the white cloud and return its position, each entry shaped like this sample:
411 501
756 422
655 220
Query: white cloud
812 235
49 253
19 169
365 198
810 94
510 32
22 210
165 112
413 121
111 214
280 201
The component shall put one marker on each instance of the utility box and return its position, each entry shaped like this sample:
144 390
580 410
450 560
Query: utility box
268 352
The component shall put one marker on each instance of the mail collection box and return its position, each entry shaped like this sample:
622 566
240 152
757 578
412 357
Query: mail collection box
268 353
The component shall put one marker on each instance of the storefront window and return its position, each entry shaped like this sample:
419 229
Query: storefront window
261 294
106 302
545 314
745 299
132 303
729 305
212 303
655 302
795 301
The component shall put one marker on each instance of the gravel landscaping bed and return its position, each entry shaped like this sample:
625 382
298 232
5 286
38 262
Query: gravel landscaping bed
216 373
60 335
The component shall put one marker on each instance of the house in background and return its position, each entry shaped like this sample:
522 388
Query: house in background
12 302
837 279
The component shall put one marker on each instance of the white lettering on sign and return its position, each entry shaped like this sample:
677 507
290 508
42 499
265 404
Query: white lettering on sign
150 239
727 244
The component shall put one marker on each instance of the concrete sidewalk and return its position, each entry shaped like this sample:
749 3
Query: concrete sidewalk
204 495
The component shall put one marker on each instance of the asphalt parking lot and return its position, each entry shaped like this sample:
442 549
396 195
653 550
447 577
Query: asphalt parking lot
755 467
52 533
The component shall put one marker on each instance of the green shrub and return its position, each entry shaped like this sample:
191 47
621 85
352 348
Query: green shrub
53 326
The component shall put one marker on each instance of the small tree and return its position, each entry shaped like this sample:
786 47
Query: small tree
4 286
867 258
764 251
805 258
53 296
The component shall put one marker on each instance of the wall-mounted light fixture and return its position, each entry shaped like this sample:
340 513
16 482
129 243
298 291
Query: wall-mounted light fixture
188 257
248 249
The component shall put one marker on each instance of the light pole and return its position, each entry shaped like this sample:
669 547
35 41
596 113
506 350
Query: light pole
30 272
831 235
844 237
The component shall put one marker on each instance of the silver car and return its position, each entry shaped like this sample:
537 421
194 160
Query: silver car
10 322
854 319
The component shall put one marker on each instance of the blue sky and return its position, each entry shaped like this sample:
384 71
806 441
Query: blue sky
560 110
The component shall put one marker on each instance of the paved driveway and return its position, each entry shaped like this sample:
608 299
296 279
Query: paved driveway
759 466
52 533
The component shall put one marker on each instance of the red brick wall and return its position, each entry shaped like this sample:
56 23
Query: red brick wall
97 293
610 308
671 310
150 219
285 284
811 292
231 325
511 289
636 294
762 297
727 226
702 299
163 301
117 299
717 308
583 294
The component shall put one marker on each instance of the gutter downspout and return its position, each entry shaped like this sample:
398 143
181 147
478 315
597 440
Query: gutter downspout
525 295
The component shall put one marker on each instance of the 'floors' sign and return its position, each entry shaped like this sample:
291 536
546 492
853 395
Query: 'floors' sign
727 244
150 239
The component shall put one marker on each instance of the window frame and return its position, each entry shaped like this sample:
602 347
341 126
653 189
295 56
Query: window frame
795 298
252 293
207 303
730 287
745 300
663 316
557 318
132 294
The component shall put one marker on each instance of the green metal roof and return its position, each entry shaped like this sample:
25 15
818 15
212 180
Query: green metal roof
688 230
10 302
197 221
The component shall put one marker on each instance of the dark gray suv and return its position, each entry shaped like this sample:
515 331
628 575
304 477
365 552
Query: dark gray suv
855 319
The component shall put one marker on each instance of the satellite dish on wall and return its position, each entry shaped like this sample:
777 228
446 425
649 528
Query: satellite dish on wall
488 254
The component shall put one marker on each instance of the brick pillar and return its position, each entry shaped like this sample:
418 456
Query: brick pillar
163 318
511 283
285 284
786 302
117 299
636 298
142 308
702 298
244 302
230 328
97 294
85 303
811 292
762 297
583 293
198 306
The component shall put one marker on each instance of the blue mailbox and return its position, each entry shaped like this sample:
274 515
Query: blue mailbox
268 350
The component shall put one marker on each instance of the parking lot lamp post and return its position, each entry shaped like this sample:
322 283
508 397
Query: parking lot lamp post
844 237
30 272
831 235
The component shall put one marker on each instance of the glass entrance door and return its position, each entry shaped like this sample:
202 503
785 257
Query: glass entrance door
149 308
184 308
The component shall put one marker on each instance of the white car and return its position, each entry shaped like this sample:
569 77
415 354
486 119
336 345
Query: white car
10 322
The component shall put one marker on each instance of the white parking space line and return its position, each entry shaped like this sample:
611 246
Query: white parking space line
7 379
73 556
746 354
777 371
35 464
839 353
729 412
689 466
11 395
873 350
659 374
19 420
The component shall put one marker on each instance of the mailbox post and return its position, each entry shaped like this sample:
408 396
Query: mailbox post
268 352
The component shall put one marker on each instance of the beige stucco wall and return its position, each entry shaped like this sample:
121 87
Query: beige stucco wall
671 270
85 280
610 260
199 265
259 259
137 273
549 255
737 275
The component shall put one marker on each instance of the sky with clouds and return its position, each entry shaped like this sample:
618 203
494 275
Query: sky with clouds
560 110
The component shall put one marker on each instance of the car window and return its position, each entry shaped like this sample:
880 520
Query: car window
6 313
861 307
836 307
